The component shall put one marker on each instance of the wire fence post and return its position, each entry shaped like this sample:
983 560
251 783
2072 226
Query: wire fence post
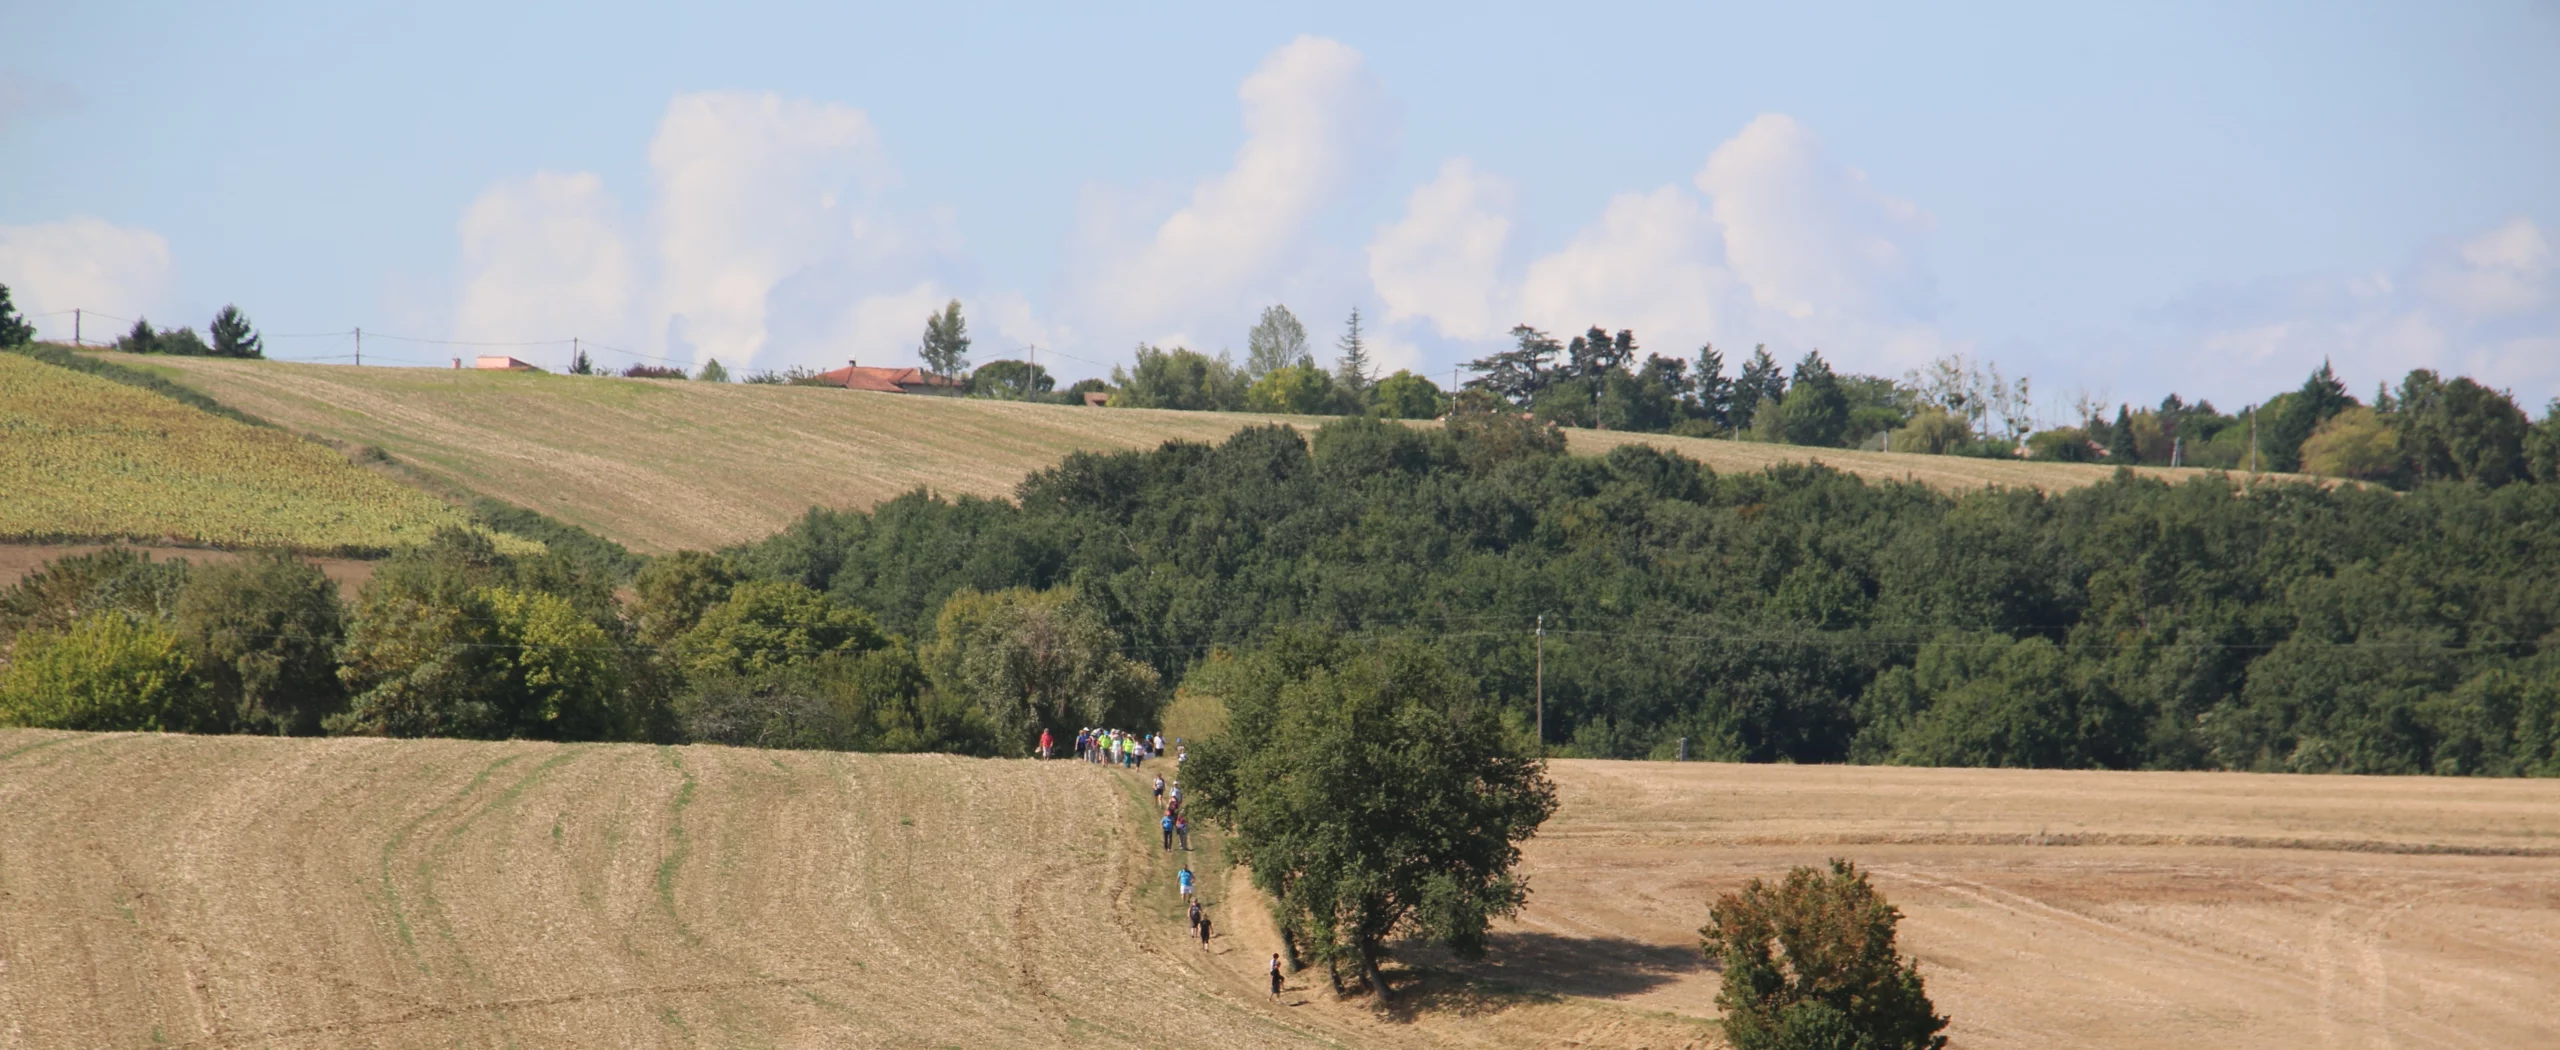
359 346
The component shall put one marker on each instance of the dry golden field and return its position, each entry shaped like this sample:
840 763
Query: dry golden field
661 465
233 891
83 457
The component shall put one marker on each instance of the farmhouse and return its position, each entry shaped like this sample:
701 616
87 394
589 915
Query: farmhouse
891 380
500 362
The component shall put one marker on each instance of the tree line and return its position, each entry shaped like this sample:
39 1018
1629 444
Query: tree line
1797 614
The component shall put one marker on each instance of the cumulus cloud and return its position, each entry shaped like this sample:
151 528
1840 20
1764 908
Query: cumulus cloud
2486 305
1651 263
1442 261
1315 121
84 263
1807 234
1772 241
766 243
545 257
751 190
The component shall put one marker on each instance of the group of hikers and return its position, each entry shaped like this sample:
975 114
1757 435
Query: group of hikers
1129 750
1110 746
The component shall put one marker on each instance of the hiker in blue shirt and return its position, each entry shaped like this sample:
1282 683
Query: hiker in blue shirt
1186 882
1168 831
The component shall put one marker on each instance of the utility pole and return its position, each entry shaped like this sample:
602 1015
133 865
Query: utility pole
573 353
359 346
1542 683
2253 439
75 326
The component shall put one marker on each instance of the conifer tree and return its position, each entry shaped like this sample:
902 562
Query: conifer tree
14 329
233 336
1354 368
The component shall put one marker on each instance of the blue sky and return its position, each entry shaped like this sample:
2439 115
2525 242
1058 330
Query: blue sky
2119 202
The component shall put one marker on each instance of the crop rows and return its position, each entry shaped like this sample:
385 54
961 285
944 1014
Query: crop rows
83 457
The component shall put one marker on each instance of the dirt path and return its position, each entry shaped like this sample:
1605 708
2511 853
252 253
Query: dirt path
17 560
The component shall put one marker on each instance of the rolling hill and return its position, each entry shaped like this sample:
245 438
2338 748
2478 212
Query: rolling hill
83 458
662 465
256 892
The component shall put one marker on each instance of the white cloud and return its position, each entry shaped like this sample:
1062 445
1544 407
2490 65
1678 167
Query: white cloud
1809 236
1777 243
83 263
1315 120
2504 270
1651 263
1442 261
751 190
545 257
2486 306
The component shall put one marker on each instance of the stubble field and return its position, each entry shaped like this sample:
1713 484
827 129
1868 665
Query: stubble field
231 891
662 465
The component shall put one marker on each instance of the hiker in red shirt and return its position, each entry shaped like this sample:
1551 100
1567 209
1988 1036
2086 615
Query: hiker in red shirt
1045 741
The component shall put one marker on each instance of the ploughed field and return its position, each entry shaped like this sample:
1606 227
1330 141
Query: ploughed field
661 465
235 891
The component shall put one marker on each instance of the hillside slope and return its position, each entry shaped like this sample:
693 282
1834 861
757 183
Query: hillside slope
236 891
661 465
86 458
253 892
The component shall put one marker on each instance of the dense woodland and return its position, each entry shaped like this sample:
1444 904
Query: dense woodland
1798 614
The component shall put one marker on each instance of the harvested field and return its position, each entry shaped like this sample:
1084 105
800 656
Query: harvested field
230 891
2061 908
244 892
660 465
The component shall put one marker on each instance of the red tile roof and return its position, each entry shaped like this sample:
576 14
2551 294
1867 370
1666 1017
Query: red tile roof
885 380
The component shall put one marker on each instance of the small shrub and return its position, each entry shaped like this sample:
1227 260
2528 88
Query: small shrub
1810 964
652 372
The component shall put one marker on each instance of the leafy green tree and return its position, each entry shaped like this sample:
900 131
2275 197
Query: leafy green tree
1011 381
769 623
1518 374
2322 396
2356 443
140 339
1353 368
1816 412
1761 382
874 701
68 588
1300 390
1811 964
712 372
1277 341
14 328
2461 430
233 336
1373 796
183 342
106 671
673 591
1035 660
1405 395
1181 379
945 350
262 633
1995 701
